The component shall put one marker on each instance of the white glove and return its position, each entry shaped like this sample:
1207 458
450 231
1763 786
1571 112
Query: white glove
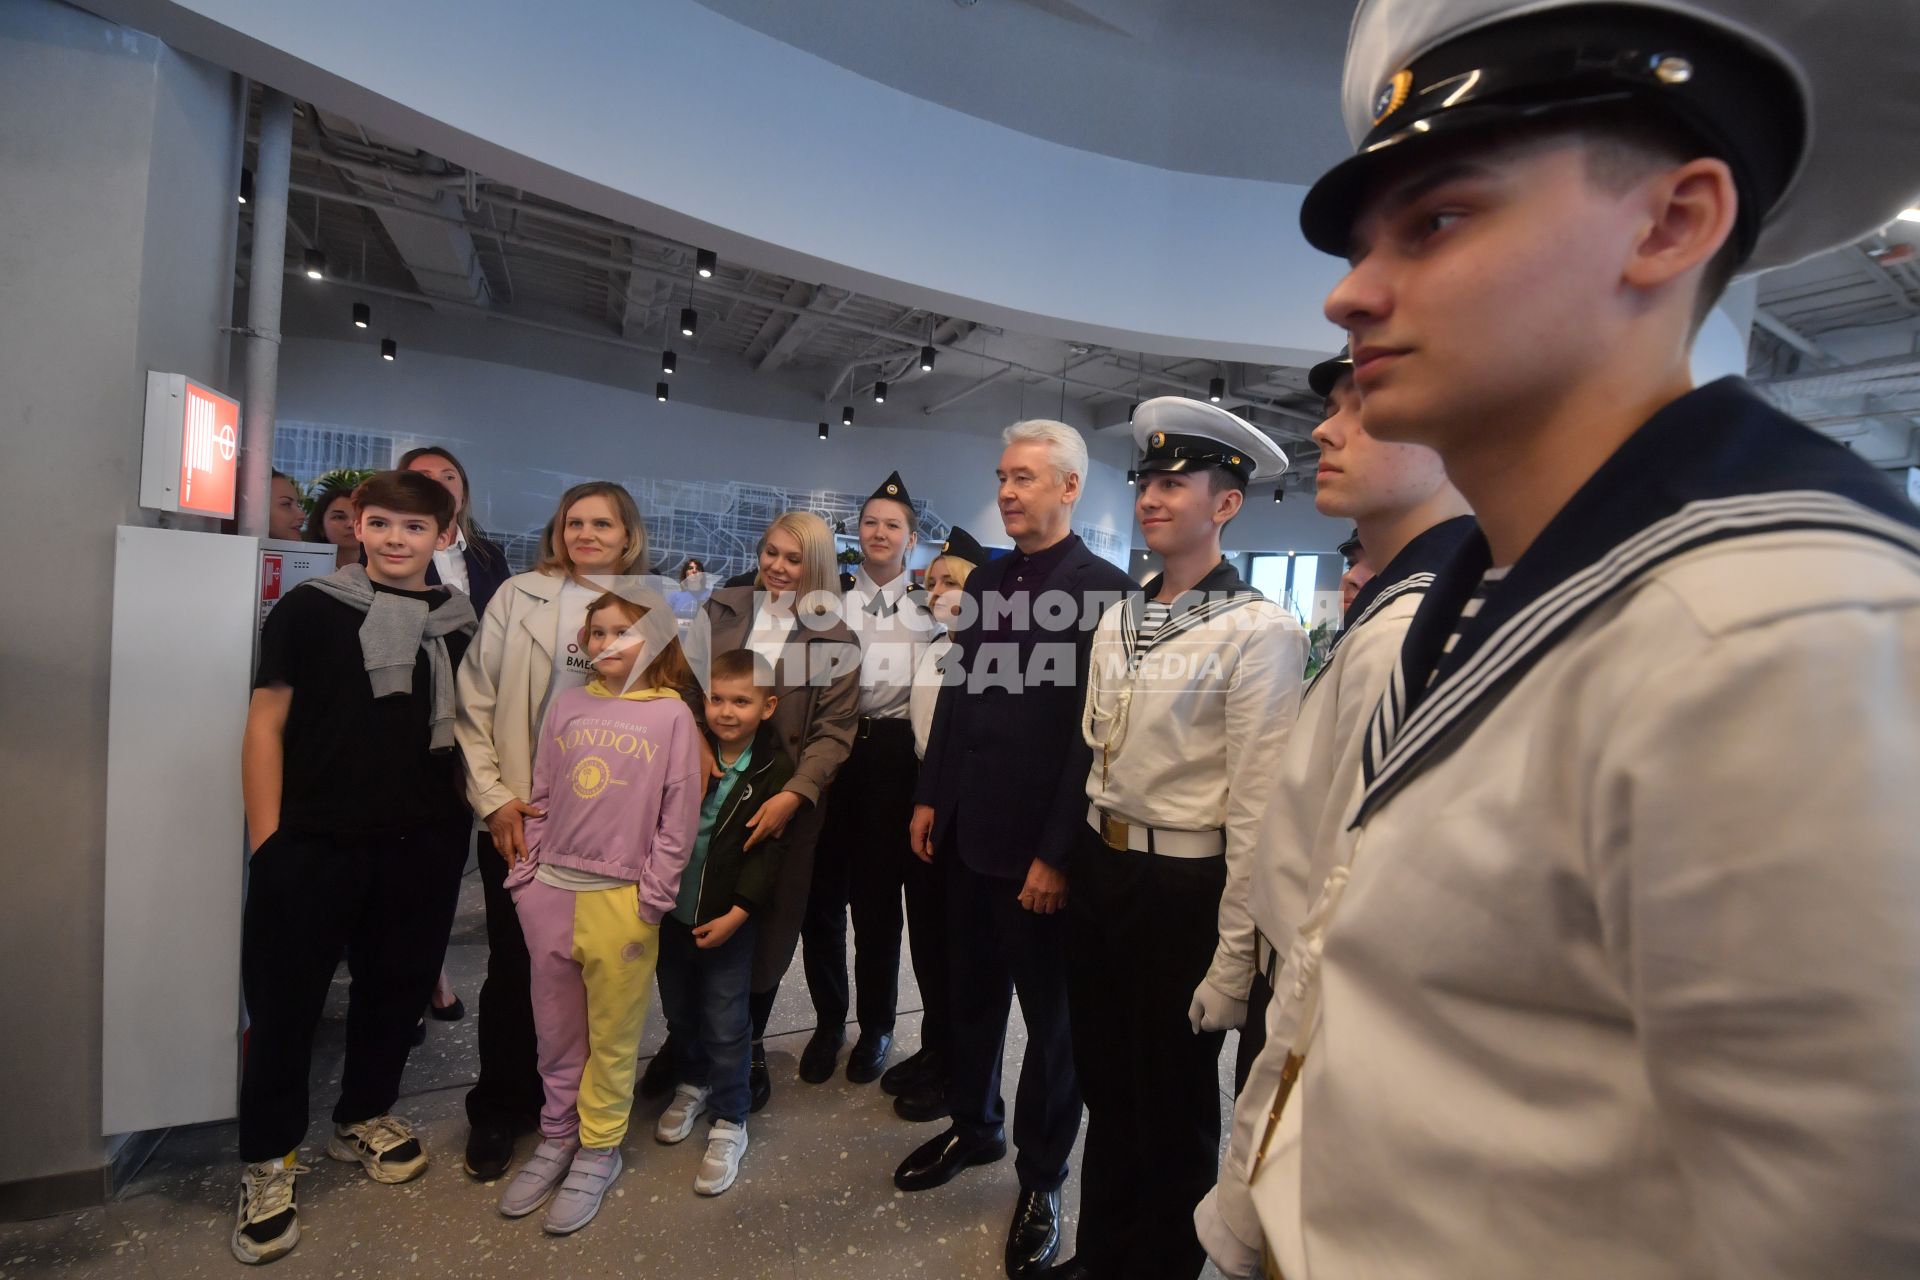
1234 1256
1214 1010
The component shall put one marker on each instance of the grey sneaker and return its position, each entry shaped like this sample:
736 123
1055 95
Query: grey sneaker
677 1121
384 1146
585 1187
268 1226
726 1143
539 1177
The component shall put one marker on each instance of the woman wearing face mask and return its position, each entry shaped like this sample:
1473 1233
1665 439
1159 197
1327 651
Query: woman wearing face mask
919 1084
528 651
791 618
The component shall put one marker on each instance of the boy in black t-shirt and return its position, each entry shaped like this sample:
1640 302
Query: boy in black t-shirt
359 830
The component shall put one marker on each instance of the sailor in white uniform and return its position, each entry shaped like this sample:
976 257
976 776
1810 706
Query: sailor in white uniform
1622 983
1193 689
1403 506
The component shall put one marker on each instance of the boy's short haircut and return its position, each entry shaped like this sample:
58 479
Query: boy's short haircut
411 493
1624 145
742 664
1220 479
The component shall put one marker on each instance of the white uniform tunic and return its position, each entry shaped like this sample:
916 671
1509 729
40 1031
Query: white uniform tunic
1304 835
1187 732
895 628
1624 982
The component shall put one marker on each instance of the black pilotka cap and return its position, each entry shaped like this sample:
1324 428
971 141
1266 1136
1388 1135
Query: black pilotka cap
1739 103
894 488
964 546
1326 375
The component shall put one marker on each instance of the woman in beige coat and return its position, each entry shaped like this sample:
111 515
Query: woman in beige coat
528 650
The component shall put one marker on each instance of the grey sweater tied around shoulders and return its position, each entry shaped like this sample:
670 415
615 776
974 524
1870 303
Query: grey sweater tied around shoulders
397 627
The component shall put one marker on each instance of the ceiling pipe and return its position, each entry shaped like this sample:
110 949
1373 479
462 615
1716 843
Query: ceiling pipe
711 288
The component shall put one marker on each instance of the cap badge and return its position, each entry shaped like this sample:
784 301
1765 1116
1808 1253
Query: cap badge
1392 95
893 488
1157 439
1234 459
1670 68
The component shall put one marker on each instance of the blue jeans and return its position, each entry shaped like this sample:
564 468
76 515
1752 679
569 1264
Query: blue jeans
704 995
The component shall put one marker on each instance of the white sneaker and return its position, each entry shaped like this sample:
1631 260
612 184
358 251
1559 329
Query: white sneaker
384 1146
726 1143
677 1121
268 1226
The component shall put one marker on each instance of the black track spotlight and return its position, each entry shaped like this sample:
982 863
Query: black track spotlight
1280 493
879 393
668 362
316 263
1216 389
823 431
1133 477
689 321
246 186
704 261
362 315
846 415
1130 410
927 355
389 348
660 392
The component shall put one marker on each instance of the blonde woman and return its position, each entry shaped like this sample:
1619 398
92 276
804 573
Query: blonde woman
919 1083
527 652
792 620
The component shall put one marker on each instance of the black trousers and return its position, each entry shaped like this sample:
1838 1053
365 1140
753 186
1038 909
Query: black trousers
1142 934
926 896
995 947
508 1090
385 904
1253 1032
861 862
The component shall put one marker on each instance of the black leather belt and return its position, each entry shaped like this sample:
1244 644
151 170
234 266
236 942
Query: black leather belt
871 725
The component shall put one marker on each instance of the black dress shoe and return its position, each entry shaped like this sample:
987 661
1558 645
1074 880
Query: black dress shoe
759 1083
868 1056
934 1164
927 1102
1034 1237
903 1075
659 1077
489 1148
823 1049
448 1012
1075 1270
420 1032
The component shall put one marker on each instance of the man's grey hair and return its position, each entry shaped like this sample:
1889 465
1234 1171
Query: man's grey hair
1065 447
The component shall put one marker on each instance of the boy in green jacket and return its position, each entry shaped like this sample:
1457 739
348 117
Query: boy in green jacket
706 941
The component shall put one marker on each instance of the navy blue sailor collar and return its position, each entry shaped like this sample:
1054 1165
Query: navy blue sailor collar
1222 590
1410 572
1715 464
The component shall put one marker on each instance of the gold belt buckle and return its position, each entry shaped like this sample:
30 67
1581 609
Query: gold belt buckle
1113 831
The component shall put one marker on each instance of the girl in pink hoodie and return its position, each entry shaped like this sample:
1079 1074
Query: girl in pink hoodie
617 788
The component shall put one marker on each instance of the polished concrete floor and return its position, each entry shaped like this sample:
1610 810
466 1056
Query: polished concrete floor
815 1197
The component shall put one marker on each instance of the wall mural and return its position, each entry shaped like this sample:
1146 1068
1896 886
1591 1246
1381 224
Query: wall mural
717 522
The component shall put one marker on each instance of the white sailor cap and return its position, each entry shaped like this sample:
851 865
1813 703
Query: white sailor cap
1174 433
1815 107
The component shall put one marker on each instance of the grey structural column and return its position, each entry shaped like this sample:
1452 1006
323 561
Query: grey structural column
264 280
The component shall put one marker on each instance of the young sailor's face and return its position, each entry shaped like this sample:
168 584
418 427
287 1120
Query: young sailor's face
943 592
885 535
1478 285
1360 477
1178 510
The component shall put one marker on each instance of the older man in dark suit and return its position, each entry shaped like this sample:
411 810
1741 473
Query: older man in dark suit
1000 803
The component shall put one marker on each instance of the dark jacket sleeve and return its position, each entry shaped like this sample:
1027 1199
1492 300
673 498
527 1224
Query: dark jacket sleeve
760 865
1068 812
926 789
